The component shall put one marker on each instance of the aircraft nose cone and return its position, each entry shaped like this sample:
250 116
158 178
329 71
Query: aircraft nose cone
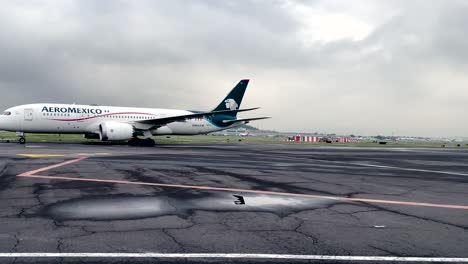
4 123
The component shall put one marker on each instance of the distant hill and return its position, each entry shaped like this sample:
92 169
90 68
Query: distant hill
247 127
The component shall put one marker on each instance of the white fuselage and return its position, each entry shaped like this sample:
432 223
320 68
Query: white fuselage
81 119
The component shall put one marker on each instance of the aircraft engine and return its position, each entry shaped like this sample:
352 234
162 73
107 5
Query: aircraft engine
115 131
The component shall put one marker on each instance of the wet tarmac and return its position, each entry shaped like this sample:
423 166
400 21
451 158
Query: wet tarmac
232 198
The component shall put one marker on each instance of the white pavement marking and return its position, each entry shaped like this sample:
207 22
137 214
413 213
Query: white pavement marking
408 169
391 167
230 256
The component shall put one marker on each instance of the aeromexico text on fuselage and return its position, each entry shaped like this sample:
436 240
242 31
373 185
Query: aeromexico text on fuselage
74 110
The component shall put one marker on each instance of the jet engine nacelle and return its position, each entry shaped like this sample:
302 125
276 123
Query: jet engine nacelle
115 131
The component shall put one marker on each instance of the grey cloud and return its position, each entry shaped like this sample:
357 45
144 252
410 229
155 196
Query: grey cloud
188 54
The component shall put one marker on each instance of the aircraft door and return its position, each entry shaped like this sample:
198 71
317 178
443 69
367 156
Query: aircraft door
28 114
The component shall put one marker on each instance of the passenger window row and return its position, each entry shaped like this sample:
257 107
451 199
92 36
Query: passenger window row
131 117
108 116
55 114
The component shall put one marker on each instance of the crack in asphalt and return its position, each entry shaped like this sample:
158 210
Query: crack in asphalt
352 214
314 239
17 242
36 193
59 245
390 253
179 244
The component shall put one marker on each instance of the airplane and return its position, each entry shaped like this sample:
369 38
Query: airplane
245 134
110 123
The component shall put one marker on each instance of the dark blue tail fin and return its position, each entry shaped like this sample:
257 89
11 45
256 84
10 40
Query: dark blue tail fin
234 99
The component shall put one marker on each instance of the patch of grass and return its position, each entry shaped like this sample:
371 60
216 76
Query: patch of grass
46 137
202 139
215 139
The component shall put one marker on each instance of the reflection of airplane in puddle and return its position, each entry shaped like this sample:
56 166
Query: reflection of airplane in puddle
122 207
240 199
109 123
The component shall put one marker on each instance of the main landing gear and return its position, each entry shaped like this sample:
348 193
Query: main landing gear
22 139
147 142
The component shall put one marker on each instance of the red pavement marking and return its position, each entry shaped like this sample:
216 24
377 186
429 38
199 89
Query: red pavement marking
31 174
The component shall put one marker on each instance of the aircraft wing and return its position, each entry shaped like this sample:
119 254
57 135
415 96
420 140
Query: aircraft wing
166 120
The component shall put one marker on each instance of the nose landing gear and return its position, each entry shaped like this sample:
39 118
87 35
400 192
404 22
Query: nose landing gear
22 139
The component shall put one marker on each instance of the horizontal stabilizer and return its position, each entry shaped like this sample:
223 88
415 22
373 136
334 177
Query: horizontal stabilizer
245 119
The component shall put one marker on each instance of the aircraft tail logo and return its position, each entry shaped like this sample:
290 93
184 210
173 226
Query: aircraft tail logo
231 104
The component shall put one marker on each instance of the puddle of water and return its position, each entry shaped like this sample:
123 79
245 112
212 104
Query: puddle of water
109 208
272 203
137 207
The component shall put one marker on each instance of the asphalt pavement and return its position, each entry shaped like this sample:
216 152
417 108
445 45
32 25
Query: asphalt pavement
232 198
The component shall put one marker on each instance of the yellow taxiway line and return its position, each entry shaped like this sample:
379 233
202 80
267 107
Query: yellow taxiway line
41 155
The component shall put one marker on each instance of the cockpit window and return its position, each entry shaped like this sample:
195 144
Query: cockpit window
6 113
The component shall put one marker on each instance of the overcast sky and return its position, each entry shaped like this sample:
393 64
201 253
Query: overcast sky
362 67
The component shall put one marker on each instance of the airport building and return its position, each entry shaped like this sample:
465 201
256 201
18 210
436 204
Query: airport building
313 139
299 138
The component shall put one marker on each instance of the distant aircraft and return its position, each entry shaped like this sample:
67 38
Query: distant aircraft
110 123
245 134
